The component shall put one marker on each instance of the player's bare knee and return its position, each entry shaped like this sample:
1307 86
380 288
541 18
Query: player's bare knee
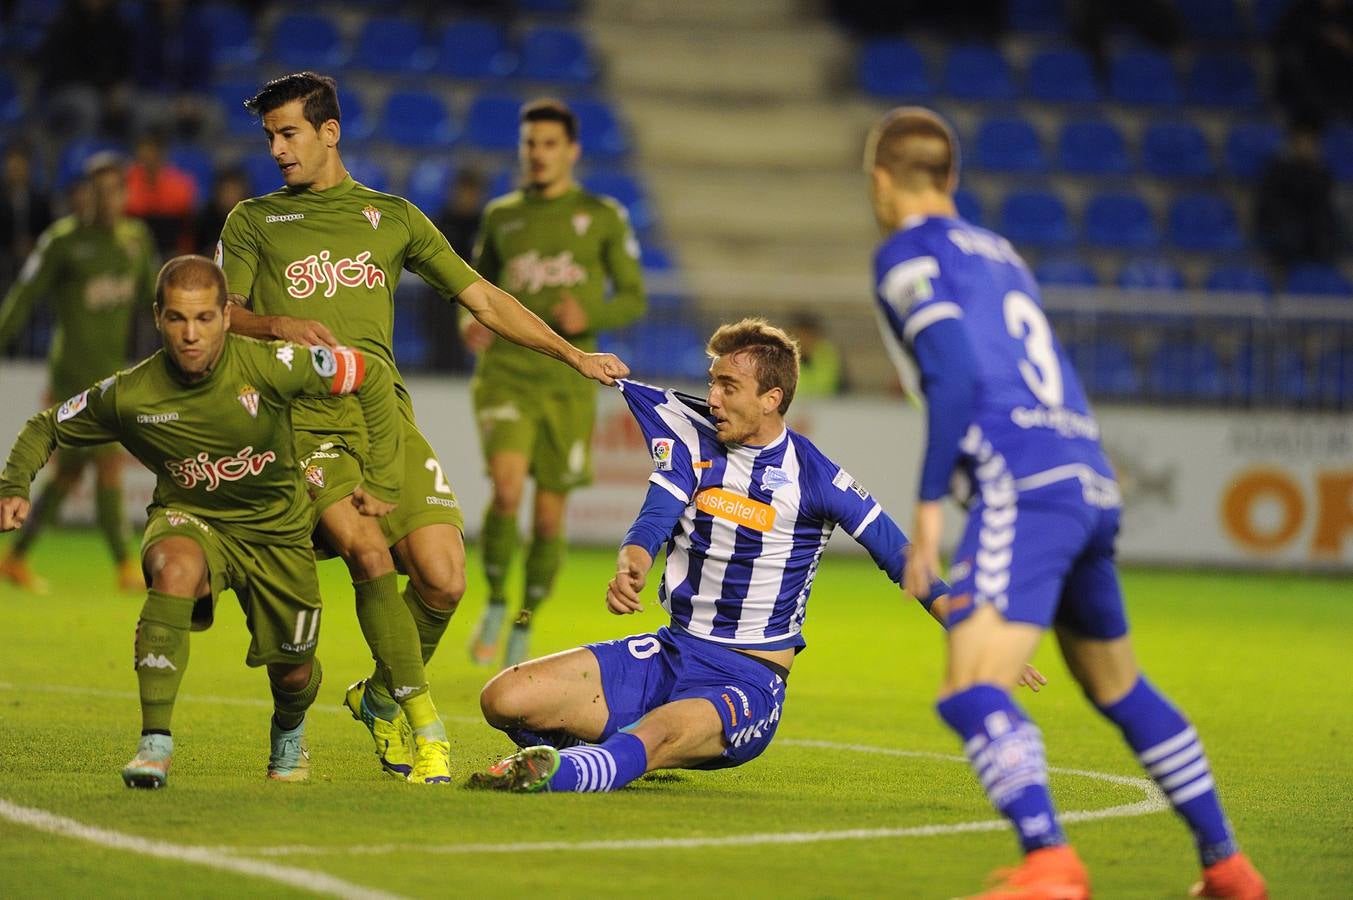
503 700
288 677
175 574
367 561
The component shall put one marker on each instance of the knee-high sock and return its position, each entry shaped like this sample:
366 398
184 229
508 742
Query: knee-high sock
288 707
498 544
1006 751
543 560
393 637
431 622
161 656
1171 753
607 766
108 505
40 516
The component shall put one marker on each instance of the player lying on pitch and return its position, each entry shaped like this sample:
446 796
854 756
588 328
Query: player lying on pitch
745 506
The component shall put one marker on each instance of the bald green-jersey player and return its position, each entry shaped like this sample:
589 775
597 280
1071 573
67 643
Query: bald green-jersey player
210 415
572 259
317 261
92 270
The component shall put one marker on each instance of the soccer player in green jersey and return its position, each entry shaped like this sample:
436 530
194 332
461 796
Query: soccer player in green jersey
556 247
210 415
93 271
318 261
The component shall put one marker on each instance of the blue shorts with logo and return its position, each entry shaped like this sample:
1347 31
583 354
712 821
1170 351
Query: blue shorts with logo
1045 558
644 671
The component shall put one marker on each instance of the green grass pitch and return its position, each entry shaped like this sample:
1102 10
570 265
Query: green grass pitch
1260 662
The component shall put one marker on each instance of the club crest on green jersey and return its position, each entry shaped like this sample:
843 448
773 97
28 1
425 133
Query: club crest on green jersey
372 214
249 399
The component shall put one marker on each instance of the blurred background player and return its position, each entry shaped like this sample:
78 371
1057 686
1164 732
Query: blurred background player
325 236
1005 407
210 415
95 270
557 247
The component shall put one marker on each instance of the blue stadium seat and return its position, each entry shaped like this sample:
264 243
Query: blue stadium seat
1066 270
893 68
1120 220
1227 81
550 7
1144 77
1176 150
413 347
1187 370
232 35
1334 377
1266 14
1249 146
969 205
429 180
1239 278
264 177
1204 222
70 165
1063 76
1009 145
1150 273
599 129
492 122
1041 16
1093 147
357 125
417 119
388 44
367 170
668 349
504 181
1106 368
557 54
308 41
1212 18
476 48
978 72
627 191
230 97
11 102
197 163
1290 380
1316 279
1036 219
1338 144
656 258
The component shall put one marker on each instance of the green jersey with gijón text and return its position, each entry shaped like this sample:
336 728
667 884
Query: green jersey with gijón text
93 278
538 249
335 256
221 448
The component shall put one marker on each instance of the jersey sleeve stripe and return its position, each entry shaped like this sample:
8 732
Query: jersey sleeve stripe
666 484
898 287
929 316
873 514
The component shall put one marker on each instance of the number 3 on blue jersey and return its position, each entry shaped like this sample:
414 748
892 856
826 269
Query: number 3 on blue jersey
1042 370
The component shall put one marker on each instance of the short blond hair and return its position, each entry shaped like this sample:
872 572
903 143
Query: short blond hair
915 147
773 353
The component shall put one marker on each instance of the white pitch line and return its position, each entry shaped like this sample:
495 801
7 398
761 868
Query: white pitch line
304 879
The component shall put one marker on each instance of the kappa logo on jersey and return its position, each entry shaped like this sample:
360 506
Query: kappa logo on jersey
309 274
772 478
156 661
530 272
72 406
581 222
844 481
284 217
735 508
372 214
286 354
189 472
315 475
249 399
661 450
156 418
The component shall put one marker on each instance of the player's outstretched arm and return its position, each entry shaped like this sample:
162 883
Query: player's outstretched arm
306 332
622 592
504 315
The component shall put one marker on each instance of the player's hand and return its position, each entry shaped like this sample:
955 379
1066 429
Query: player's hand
569 316
1032 679
923 554
368 505
476 336
603 367
622 592
306 332
13 512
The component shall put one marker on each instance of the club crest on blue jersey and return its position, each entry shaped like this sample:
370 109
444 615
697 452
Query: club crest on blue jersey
772 478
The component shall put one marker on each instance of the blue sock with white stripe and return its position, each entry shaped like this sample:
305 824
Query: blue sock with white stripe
607 766
1006 751
1171 753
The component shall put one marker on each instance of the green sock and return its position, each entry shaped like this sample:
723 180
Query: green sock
393 638
40 516
499 544
543 560
431 622
161 656
288 708
423 718
108 504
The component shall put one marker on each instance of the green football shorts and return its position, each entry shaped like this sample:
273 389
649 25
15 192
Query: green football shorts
276 586
553 429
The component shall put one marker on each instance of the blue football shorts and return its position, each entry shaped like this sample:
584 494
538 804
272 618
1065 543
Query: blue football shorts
644 671
1046 558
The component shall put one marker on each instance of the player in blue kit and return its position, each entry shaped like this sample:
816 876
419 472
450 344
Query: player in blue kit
1007 410
745 507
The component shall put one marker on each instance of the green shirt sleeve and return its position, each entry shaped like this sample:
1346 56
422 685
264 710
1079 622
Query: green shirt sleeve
237 252
35 280
431 258
88 418
620 259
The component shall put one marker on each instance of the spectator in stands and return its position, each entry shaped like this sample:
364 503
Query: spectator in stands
86 61
1091 22
24 211
230 187
820 370
1295 219
459 218
173 66
163 195
1313 56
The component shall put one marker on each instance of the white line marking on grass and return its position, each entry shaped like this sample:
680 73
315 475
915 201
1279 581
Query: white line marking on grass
304 879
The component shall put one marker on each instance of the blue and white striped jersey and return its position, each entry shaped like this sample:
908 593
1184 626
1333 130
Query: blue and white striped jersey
742 555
